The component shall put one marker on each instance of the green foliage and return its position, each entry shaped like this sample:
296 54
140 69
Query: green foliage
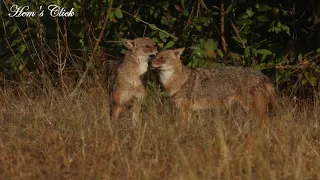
204 54
262 35
279 28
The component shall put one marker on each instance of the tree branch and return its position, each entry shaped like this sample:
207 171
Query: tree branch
89 64
223 40
238 35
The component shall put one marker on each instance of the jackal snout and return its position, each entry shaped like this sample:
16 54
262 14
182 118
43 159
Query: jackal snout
166 60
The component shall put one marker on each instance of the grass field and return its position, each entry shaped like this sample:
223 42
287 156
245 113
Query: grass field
54 138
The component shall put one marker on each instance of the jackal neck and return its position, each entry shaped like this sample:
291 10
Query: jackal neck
173 79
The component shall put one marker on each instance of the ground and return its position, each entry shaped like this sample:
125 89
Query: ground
50 137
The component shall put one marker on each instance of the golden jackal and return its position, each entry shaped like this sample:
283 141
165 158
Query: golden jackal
128 85
192 89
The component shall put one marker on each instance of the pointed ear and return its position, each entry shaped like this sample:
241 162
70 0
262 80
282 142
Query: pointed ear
178 52
128 43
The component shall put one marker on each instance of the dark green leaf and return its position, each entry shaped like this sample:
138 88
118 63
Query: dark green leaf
162 36
247 52
215 13
165 5
172 20
249 12
199 28
118 13
138 18
169 44
243 16
264 7
254 51
151 10
304 81
245 22
156 14
111 17
229 9
220 53
153 27
164 20
182 3
313 81
264 52
202 43
300 57
14 29
262 18
22 48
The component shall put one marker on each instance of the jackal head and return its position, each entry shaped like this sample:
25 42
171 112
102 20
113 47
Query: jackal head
142 48
167 59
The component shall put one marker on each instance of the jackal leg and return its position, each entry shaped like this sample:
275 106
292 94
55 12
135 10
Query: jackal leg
136 104
244 104
136 109
120 98
185 113
116 108
260 105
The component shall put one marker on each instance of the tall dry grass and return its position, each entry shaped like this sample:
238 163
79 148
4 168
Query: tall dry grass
49 137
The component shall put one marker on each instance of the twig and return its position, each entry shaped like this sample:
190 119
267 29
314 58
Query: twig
291 67
149 24
189 19
59 59
89 64
238 35
203 4
65 37
223 41
42 59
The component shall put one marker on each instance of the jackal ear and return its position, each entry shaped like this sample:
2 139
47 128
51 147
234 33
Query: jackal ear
178 52
128 43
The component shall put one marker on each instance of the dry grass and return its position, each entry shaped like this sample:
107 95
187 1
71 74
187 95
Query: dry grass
53 138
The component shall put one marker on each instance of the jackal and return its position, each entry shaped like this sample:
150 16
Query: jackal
128 83
192 89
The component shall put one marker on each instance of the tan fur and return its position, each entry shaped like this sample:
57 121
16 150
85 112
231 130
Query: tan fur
128 83
192 89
